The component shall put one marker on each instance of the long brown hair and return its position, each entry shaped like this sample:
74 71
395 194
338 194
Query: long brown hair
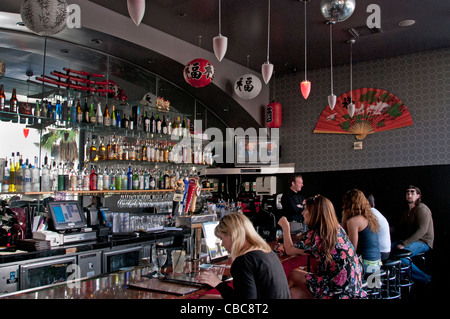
322 219
355 203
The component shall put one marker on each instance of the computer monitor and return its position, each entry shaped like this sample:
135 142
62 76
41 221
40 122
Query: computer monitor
213 244
67 215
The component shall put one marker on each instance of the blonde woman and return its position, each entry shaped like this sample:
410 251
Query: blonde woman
256 270
362 228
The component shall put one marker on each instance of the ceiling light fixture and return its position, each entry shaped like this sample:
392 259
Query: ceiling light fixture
331 97
305 86
351 104
136 10
406 23
220 42
267 67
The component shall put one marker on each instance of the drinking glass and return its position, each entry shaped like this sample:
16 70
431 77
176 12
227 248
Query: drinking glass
161 258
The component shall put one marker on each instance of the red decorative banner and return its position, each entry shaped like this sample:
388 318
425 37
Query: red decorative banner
376 110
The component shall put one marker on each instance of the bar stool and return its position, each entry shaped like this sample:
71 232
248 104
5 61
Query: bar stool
406 270
373 284
392 289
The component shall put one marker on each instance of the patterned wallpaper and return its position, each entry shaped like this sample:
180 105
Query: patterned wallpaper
421 81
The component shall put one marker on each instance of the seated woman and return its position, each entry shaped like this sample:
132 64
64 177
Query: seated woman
362 228
338 273
256 270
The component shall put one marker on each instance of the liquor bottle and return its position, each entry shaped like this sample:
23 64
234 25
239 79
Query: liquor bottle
164 125
102 150
152 182
124 179
66 175
132 152
35 176
60 177
146 180
137 118
106 179
152 124
106 117
54 177
12 174
118 178
99 180
185 128
124 121
79 178
144 153
130 122
175 127
119 155
93 179
141 180
86 179
114 147
113 117
26 177
19 173
135 181
99 114
129 179
93 155
2 99
118 119
44 109
65 111
146 123
73 111
73 180
158 124
109 149
112 181
166 180
13 102
169 126
125 151
92 117
58 111
161 184
79 112
5 183
166 153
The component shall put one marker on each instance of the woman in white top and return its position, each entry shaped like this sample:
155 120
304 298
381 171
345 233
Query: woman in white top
384 235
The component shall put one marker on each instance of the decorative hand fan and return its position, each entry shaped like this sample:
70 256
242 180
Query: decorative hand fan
375 110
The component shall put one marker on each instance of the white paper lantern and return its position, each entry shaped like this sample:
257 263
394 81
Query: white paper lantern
136 10
44 17
247 86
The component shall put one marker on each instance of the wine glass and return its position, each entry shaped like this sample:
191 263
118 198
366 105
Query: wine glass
161 258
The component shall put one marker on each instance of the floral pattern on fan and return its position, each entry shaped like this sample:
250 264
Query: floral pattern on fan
376 110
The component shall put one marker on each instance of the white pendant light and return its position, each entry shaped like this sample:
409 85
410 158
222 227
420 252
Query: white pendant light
351 105
331 97
305 86
267 67
136 10
220 43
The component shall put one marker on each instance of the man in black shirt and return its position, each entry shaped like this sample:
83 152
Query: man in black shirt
292 200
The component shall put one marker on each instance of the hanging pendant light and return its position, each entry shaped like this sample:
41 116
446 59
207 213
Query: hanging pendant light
136 10
351 105
331 97
267 67
220 42
305 86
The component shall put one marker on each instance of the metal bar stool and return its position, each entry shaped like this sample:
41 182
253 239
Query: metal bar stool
373 284
392 289
406 270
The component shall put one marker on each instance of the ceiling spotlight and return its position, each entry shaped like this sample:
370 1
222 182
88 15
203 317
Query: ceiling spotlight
406 23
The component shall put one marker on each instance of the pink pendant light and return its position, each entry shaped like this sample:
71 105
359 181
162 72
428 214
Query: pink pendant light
136 10
220 43
267 67
305 86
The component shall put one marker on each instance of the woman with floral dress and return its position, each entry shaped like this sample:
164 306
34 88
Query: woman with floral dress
338 273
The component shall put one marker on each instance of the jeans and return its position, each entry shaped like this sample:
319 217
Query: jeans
416 248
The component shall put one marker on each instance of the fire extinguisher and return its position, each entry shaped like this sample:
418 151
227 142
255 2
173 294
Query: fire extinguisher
273 113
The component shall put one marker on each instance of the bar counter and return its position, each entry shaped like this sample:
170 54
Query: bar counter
119 285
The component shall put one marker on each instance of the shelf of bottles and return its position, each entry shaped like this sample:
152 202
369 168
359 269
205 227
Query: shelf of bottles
126 149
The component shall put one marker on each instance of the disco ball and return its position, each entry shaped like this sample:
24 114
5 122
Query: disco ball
337 10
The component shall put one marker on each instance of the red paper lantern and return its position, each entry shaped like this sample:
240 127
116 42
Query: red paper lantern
199 73
273 113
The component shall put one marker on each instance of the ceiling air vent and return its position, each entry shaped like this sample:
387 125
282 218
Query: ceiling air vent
357 32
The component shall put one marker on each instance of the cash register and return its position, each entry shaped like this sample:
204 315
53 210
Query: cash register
69 222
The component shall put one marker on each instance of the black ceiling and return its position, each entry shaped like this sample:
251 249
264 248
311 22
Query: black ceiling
244 22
